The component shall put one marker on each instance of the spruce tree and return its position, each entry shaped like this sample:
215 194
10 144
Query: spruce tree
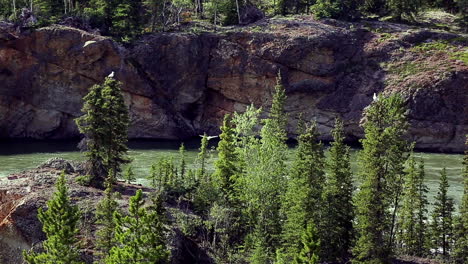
139 235
302 202
269 177
442 218
182 162
460 249
104 219
202 156
338 214
381 161
309 253
129 176
413 215
105 126
60 224
226 170
408 8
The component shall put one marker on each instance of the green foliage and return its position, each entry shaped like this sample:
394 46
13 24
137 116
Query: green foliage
302 202
381 170
227 169
267 182
338 209
326 8
442 220
413 216
460 248
310 246
60 224
408 8
105 240
129 176
105 126
139 235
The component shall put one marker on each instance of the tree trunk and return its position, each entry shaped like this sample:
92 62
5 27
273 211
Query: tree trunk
238 12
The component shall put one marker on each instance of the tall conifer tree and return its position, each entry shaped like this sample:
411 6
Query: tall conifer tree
226 166
60 224
105 126
338 213
104 219
382 161
302 202
413 215
460 250
442 218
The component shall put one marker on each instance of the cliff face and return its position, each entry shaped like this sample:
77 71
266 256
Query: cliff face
178 85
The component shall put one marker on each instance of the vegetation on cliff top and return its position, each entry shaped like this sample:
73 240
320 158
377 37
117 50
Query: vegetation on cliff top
127 19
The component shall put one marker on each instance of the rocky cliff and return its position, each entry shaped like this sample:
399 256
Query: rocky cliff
178 85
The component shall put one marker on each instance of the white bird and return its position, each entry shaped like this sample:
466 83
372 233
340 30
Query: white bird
209 137
375 98
111 75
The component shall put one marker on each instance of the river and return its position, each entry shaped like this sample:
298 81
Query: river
16 156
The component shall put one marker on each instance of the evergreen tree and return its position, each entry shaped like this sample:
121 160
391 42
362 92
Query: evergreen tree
382 161
182 162
413 215
226 166
202 156
139 236
126 22
60 224
404 7
104 219
339 9
105 126
129 176
442 222
269 175
460 249
302 202
309 253
338 210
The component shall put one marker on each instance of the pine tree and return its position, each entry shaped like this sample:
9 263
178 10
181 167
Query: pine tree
139 235
60 224
182 162
309 253
104 219
105 126
202 156
382 162
129 176
460 249
338 208
413 215
442 222
226 166
302 202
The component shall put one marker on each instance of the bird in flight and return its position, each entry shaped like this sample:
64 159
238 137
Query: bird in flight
209 137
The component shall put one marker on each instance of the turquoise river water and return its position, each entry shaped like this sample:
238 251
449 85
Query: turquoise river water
20 155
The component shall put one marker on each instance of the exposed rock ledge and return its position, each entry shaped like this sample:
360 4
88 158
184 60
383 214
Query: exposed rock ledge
178 84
